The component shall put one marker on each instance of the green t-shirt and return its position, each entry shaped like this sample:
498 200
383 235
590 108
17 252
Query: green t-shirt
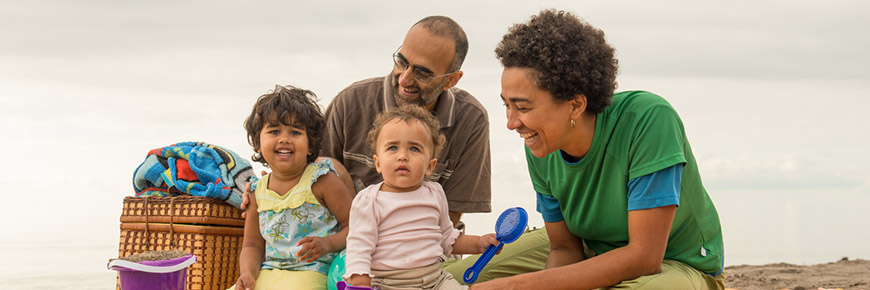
640 133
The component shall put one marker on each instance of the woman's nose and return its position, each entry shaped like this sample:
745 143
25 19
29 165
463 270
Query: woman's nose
512 121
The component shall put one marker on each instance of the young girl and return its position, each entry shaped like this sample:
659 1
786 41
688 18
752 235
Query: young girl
297 218
400 227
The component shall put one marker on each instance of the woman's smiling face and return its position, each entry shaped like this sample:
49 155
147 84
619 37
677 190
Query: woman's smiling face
533 112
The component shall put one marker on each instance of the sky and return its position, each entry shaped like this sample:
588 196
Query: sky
771 94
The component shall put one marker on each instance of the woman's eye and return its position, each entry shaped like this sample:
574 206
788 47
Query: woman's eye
518 108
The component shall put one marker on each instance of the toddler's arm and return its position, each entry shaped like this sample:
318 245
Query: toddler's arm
253 247
361 239
463 244
335 196
360 280
471 244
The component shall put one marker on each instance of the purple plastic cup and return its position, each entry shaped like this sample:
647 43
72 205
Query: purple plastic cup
341 285
168 274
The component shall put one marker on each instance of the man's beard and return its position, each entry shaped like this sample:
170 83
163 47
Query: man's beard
426 97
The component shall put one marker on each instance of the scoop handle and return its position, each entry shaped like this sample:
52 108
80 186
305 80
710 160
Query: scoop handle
471 274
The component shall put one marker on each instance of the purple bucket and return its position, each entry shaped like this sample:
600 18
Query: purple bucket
168 274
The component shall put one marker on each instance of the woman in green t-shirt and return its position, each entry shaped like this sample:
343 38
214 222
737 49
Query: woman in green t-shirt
615 178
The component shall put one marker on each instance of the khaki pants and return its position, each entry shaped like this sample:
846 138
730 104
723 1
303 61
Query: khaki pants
430 277
527 254
674 275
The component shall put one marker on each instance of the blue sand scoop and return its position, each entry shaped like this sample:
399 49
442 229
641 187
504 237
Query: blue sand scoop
508 228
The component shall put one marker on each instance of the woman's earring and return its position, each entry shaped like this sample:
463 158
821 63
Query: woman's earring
572 123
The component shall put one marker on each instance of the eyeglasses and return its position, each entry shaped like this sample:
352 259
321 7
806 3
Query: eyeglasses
422 75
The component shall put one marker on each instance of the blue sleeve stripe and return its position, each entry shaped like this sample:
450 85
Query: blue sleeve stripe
657 189
548 206
721 266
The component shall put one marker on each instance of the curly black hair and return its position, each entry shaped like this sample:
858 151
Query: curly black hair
285 105
569 55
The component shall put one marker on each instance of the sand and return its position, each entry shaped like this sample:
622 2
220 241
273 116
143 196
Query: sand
843 274
154 256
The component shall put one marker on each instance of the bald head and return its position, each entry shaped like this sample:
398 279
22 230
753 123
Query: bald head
443 26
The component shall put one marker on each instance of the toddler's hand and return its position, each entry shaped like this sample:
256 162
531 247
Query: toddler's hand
313 248
245 282
485 241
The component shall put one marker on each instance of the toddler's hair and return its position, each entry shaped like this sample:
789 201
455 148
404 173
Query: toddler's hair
284 105
407 113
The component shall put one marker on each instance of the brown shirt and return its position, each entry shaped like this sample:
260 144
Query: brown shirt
463 168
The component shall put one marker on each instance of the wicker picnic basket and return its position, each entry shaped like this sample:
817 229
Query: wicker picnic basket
206 227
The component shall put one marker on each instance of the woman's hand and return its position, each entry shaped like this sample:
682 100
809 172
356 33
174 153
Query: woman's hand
497 284
313 248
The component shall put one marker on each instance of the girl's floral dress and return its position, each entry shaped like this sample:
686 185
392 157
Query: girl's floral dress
284 220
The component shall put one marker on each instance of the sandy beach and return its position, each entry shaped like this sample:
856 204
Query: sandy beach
845 274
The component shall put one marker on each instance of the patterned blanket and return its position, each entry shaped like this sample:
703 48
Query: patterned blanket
194 168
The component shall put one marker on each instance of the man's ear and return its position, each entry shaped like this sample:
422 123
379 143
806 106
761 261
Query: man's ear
452 80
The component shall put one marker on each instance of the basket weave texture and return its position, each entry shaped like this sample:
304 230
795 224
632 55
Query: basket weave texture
205 227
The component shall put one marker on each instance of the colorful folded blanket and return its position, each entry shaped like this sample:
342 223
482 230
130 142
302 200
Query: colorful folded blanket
194 168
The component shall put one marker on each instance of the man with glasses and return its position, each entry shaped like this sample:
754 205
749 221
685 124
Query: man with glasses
425 72
426 68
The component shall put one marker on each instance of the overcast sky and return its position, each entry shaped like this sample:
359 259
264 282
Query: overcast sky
772 94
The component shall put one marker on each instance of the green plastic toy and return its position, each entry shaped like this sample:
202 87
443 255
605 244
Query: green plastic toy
336 270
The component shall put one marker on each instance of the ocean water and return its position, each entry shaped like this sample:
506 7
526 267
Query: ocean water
784 227
57 265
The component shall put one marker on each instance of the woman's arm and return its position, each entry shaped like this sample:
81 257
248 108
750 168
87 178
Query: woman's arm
648 231
335 196
253 247
565 247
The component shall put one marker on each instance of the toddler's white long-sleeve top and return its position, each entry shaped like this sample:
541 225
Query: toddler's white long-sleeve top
398 230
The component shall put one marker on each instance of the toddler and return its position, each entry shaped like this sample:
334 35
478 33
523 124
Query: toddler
298 214
400 227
